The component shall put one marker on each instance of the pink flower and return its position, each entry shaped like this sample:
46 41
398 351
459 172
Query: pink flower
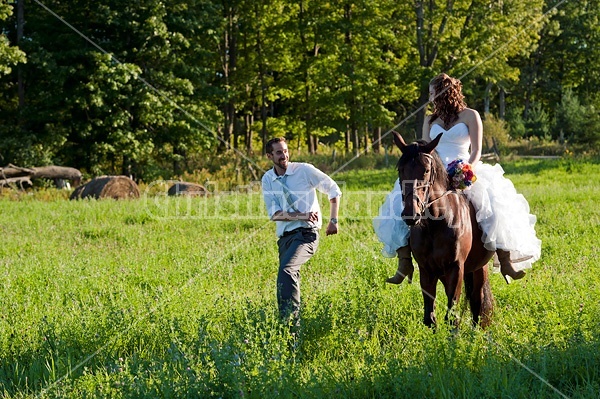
461 174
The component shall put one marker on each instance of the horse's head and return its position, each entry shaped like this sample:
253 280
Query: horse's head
419 169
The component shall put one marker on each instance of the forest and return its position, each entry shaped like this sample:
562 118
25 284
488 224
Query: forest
150 88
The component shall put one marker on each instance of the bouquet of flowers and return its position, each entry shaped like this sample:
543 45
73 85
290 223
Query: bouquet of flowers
460 174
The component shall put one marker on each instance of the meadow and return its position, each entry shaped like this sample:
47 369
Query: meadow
175 298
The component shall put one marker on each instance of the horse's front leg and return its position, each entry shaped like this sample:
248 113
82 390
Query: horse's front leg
428 285
453 286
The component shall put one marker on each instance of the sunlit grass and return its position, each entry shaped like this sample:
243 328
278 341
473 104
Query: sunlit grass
163 297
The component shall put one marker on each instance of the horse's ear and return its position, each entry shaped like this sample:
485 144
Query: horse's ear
399 141
429 147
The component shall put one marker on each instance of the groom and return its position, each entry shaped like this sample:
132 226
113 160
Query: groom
290 198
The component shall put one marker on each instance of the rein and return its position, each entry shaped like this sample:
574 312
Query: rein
427 185
438 198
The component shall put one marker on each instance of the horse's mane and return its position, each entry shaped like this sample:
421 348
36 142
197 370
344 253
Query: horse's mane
412 151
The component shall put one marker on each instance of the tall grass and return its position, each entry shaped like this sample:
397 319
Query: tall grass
163 297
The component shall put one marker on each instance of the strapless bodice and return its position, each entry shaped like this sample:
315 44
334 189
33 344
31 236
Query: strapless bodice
454 144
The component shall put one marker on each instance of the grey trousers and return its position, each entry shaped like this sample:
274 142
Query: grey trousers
295 249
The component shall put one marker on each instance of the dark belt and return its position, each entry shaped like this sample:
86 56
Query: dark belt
299 230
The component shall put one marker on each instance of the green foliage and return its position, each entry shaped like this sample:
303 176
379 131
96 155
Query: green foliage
570 116
568 53
515 122
9 100
535 125
537 122
174 297
495 132
565 56
535 146
117 111
186 71
577 122
9 55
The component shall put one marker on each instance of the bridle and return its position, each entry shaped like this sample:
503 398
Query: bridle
426 185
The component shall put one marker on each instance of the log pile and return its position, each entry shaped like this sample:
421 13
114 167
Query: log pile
12 175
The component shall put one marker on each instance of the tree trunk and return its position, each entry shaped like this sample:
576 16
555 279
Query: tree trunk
178 152
533 71
352 103
314 143
347 139
20 24
23 182
486 98
420 117
229 63
248 121
261 77
128 167
428 48
377 140
355 134
502 104
366 139
47 172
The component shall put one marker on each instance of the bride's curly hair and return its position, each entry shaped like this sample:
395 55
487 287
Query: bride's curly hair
448 100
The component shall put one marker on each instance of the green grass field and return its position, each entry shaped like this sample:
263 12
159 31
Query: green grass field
174 298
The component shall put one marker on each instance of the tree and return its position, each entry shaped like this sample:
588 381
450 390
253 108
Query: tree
575 121
566 57
473 41
349 71
155 82
9 55
9 85
114 108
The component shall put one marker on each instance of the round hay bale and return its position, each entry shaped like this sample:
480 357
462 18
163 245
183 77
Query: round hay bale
183 188
116 187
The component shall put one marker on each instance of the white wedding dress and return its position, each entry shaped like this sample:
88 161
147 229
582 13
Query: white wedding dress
502 213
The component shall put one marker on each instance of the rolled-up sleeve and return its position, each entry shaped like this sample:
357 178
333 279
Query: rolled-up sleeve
322 182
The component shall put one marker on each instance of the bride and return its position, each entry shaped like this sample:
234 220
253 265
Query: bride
502 213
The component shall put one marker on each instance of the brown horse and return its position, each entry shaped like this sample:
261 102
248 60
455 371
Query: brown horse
445 238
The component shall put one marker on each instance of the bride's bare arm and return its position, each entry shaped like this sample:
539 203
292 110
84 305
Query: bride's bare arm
426 129
475 126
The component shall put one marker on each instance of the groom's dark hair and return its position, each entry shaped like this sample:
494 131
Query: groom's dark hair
269 146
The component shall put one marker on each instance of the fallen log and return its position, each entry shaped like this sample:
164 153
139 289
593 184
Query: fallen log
11 170
56 173
23 181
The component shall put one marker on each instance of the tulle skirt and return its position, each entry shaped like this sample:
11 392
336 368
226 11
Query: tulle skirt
389 226
502 213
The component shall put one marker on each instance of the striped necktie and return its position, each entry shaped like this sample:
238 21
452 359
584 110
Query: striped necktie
286 193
